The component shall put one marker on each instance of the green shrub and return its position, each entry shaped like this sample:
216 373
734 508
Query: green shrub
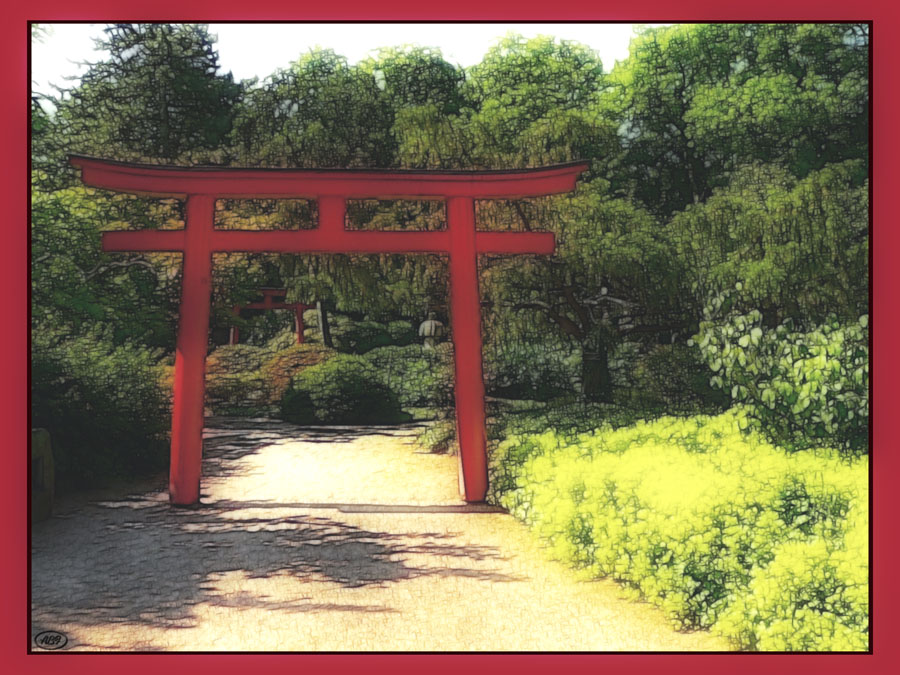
716 526
230 359
531 369
105 406
283 365
812 596
440 437
674 378
802 389
359 337
402 333
342 390
571 415
234 384
284 339
420 377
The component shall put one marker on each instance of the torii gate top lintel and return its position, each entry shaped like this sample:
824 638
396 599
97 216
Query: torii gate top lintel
331 188
167 181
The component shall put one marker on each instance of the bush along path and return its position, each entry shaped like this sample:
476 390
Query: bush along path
321 539
716 526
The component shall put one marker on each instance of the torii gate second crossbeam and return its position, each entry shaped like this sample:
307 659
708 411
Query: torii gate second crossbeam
331 188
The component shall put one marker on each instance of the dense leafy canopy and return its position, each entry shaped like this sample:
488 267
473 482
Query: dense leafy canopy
721 155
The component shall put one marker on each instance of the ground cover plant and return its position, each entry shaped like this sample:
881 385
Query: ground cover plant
715 525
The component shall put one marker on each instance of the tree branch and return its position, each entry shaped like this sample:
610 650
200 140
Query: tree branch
102 269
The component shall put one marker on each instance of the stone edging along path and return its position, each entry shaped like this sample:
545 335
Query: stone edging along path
338 539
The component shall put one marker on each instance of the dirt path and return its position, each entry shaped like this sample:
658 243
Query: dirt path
340 540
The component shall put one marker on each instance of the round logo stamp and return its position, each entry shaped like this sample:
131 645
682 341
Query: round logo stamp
50 639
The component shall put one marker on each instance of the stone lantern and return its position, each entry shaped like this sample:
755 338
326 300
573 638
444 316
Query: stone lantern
432 330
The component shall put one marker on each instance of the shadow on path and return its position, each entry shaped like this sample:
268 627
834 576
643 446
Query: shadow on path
138 560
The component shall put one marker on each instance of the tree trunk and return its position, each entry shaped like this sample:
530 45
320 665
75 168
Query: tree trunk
596 381
322 315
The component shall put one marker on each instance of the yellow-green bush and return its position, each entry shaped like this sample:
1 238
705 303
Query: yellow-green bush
717 527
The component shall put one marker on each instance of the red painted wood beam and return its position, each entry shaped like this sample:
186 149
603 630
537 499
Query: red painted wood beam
230 182
465 324
190 354
316 241
144 240
273 305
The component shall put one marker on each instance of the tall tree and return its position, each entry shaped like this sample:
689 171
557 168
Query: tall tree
695 102
318 113
796 249
157 97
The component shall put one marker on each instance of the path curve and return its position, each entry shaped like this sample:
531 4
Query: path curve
319 540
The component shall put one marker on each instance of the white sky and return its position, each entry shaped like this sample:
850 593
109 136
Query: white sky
256 50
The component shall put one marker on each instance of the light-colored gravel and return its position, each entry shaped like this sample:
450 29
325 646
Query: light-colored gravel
337 540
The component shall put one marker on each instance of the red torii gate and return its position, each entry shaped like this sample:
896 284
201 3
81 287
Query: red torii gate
268 302
331 188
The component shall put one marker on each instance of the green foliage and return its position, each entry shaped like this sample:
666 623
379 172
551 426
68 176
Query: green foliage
803 389
419 376
249 380
402 332
284 364
104 405
673 377
235 359
234 383
440 437
811 594
359 337
343 390
766 548
75 284
697 101
157 96
319 112
799 248
536 369
416 76
534 103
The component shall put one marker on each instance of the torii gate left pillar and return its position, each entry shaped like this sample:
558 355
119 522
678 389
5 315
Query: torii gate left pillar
202 186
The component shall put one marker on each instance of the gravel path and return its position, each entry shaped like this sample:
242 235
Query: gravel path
308 540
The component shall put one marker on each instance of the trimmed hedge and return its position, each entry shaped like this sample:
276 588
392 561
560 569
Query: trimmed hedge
717 527
278 370
342 390
421 377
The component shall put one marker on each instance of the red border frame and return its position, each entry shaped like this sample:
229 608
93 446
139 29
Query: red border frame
885 324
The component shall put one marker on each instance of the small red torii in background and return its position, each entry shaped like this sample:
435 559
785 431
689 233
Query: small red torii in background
269 297
201 186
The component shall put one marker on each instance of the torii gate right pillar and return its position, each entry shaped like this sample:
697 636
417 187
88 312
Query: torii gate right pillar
465 326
